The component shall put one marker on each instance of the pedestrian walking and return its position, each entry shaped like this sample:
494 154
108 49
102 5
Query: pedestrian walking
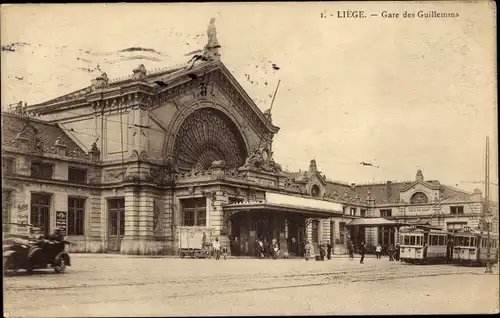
397 255
308 248
224 251
329 250
266 248
216 247
350 249
378 250
362 252
260 249
275 249
321 251
391 253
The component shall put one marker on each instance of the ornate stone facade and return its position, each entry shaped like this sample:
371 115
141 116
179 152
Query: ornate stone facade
198 137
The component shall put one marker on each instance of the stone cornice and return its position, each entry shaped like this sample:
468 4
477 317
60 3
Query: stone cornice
56 182
6 150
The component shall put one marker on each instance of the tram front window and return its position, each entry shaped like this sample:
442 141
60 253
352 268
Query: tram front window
466 241
412 240
406 240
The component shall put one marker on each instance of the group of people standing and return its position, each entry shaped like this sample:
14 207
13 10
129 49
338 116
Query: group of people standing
324 248
392 251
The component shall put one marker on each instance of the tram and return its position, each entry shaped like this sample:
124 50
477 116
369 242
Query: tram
471 248
424 245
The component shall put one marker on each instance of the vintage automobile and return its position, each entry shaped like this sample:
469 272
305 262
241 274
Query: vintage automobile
34 251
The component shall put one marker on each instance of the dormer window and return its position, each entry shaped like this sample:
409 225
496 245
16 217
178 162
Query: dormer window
315 191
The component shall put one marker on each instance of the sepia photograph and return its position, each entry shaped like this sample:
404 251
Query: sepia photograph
249 159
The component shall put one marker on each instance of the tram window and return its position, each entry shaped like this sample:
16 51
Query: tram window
443 240
406 240
412 240
458 240
483 242
466 241
472 241
434 240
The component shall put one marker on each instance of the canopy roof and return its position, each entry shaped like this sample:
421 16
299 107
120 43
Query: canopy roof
373 222
263 206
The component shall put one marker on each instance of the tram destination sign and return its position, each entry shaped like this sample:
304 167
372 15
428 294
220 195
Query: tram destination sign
62 221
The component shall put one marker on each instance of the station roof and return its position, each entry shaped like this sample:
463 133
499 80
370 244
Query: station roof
369 222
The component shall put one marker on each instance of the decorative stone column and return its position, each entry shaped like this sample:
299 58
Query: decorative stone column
216 200
370 232
139 214
93 235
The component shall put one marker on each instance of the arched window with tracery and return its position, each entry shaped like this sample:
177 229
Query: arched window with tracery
418 198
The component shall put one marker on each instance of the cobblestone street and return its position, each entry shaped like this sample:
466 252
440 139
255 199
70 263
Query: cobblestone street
116 285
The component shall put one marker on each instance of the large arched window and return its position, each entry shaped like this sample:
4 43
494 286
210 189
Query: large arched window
208 135
419 197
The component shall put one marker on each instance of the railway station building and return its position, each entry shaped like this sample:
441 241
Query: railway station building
123 165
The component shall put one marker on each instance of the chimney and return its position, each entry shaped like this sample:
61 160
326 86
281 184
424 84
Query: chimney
353 185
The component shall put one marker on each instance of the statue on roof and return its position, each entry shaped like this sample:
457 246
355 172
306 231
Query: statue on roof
212 46
210 51
419 176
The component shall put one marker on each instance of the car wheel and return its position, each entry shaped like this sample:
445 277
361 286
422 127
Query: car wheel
61 267
8 267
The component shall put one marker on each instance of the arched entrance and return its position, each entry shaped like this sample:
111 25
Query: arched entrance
205 136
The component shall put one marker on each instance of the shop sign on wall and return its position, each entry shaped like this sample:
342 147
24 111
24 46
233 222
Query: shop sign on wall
62 221
22 217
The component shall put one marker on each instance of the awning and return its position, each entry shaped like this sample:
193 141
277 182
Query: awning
263 206
373 222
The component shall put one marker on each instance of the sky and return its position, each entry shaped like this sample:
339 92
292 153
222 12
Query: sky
401 94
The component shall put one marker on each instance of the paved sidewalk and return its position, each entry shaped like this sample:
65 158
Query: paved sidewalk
116 255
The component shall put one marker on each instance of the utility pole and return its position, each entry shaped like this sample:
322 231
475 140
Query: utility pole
486 207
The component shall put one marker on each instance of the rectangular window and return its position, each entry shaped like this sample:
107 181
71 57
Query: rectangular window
76 216
442 240
353 211
41 170
412 240
315 231
40 211
406 240
7 166
194 212
457 210
6 206
116 210
386 213
434 240
363 213
77 175
342 232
